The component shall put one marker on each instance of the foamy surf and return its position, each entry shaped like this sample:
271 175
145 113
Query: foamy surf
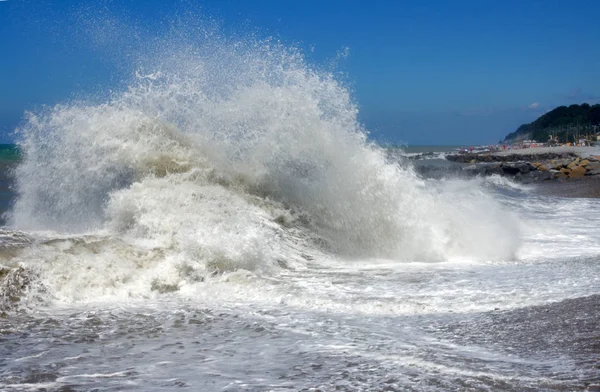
224 223
267 136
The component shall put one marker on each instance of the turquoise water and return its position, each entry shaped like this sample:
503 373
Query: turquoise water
10 155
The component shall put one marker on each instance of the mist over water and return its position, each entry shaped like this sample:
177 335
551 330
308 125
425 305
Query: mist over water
224 222
252 121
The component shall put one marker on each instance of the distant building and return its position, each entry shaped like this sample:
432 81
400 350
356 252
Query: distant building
529 143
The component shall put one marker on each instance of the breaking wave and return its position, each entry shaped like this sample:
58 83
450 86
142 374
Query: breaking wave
228 155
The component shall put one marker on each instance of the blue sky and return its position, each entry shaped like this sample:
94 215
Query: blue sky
422 72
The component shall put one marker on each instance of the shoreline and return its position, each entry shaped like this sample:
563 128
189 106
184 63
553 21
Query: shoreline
586 187
580 151
554 171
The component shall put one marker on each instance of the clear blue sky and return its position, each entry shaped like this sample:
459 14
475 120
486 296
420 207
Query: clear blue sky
423 72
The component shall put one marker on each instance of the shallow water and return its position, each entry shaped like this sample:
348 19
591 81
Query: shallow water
525 324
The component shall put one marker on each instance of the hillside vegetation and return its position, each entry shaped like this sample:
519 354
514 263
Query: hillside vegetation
563 123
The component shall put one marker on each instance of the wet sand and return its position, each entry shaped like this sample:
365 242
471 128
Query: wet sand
587 187
567 328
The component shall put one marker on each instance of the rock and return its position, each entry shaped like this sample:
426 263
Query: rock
593 166
486 157
544 175
527 178
474 170
493 169
524 167
461 158
485 168
577 172
592 172
565 171
510 169
560 175
517 167
528 167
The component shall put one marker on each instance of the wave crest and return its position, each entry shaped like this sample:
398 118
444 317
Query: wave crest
238 152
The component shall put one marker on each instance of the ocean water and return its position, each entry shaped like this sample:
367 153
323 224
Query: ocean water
224 223
9 158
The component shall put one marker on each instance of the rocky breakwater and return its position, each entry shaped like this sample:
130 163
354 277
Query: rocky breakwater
530 167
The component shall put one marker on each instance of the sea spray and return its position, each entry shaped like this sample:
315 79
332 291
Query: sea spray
228 155
230 235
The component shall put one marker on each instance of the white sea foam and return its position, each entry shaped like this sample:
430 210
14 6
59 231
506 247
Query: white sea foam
501 182
237 155
224 223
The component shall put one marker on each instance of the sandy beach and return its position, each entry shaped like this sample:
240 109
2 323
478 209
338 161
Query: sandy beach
581 151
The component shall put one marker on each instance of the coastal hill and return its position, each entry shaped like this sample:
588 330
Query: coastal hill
563 124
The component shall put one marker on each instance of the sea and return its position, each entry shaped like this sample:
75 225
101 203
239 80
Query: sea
225 223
